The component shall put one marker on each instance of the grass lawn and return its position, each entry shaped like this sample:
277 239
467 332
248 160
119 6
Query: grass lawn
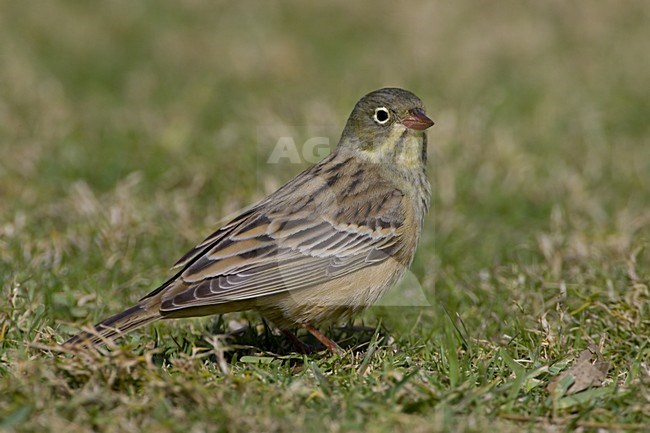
128 130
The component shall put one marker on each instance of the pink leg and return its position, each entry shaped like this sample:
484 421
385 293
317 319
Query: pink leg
297 344
329 344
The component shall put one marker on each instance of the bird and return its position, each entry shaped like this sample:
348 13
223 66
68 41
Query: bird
321 248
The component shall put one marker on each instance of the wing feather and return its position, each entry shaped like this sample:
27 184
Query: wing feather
278 246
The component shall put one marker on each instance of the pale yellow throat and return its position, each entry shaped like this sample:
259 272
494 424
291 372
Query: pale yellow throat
407 155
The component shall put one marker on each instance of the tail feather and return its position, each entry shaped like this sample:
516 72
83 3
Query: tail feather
115 326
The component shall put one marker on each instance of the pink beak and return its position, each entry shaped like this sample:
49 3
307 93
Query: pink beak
417 120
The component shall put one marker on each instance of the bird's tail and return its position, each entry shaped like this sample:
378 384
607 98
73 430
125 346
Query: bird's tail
115 326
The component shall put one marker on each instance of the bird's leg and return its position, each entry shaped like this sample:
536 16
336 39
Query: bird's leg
329 344
301 347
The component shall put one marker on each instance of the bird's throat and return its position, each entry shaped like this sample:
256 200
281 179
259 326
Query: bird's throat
403 149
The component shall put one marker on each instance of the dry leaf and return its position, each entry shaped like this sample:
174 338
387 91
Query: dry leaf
589 370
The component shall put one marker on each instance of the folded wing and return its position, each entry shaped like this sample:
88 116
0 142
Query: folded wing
292 244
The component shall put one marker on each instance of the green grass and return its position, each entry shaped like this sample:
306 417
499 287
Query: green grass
128 130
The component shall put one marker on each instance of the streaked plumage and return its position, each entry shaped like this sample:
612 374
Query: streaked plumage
323 246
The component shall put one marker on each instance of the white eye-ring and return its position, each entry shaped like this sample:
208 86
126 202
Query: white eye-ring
382 115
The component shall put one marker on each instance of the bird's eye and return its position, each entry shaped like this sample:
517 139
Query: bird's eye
382 115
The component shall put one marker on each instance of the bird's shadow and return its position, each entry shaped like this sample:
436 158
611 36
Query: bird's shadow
265 341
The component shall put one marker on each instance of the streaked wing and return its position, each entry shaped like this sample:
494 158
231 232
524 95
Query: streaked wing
308 232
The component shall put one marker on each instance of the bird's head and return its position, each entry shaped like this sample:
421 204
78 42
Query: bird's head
388 126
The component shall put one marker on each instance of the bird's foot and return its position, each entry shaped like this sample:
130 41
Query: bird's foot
328 343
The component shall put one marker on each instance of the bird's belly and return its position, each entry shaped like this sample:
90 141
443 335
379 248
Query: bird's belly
333 300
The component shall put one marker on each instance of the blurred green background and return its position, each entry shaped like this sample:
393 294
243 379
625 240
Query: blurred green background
129 129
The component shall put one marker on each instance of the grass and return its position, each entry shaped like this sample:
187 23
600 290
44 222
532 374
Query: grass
128 130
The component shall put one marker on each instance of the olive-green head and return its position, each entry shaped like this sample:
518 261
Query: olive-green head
388 126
